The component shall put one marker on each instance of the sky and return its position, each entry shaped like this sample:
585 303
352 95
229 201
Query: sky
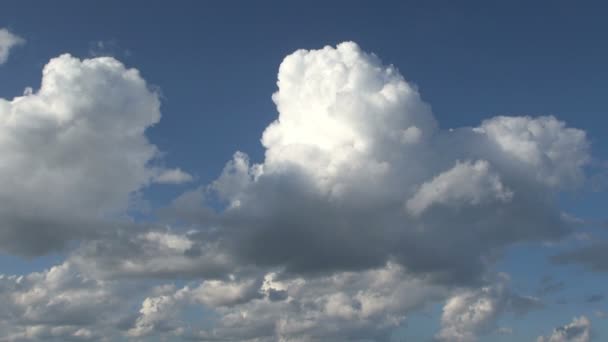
273 171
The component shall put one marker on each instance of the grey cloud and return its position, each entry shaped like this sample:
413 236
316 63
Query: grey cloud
347 306
593 256
548 285
277 295
362 211
153 254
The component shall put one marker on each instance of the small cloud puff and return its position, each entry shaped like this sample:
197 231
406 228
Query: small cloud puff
173 176
8 41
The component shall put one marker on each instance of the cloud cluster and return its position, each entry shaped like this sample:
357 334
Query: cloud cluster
8 41
363 210
349 306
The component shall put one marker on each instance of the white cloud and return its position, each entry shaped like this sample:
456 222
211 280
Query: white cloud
471 313
153 254
579 330
173 176
153 311
73 152
8 41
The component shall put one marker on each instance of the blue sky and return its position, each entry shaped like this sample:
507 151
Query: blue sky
213 66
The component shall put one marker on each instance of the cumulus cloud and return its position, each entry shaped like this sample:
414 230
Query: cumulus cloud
357 172
553 152
471 313
579 330
344 306
74 152
362 211
8 41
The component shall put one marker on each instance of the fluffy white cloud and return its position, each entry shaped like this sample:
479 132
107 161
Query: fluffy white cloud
343 117
73 152
468 314
8 41
579 330
545 147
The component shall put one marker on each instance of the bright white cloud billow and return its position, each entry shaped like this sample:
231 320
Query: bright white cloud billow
363 211
8 41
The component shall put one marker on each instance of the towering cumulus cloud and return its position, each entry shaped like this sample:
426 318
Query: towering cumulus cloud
357 173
